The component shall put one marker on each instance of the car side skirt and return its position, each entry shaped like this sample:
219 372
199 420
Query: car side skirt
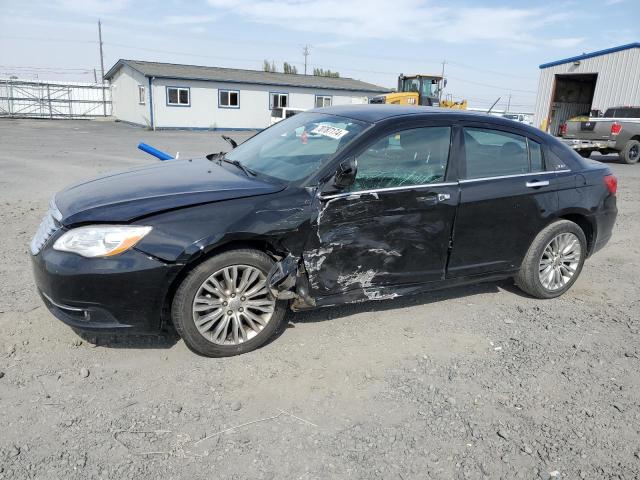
357 295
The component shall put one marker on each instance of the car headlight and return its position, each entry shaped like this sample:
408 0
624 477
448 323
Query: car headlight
101 240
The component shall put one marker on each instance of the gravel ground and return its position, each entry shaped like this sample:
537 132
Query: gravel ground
467 383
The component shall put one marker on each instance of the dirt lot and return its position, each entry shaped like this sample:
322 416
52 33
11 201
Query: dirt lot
469 383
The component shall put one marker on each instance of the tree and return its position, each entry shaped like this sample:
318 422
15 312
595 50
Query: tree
288 68
269 66
320 72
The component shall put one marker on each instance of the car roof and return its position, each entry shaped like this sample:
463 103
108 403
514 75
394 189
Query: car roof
374 113
377 112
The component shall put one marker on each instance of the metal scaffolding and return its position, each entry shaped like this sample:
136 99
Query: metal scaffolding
50 99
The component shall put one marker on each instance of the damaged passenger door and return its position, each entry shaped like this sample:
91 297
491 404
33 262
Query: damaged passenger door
387 227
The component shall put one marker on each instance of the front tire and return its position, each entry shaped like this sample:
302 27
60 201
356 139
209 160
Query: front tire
224 307
554 260
631 152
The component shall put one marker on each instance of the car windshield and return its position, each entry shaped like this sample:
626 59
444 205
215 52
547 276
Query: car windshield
298 146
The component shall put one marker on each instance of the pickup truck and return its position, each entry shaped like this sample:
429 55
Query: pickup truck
618 130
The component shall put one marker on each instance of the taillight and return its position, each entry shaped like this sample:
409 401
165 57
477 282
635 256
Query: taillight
616 128
563 129
612 183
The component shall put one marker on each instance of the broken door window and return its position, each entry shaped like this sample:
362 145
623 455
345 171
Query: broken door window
409 157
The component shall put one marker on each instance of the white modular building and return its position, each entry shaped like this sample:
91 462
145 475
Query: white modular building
164 95
587 84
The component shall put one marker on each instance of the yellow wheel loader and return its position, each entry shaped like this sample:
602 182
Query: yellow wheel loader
423 90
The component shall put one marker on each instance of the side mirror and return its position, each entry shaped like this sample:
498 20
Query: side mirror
346 174
230 140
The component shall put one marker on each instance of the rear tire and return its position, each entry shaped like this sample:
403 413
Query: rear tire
252 316
585 153
631 152
559 272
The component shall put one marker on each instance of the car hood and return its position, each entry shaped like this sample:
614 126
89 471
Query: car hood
125 196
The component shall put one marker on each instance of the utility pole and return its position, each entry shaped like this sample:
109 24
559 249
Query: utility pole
306 52
104 95
509 104
444 62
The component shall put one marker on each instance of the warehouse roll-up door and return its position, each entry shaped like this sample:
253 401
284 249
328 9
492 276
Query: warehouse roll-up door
572 96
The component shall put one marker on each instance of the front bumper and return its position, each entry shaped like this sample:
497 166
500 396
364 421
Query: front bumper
116 294
578 144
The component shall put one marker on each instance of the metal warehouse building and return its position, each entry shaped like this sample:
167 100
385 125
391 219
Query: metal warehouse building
591 81
163 95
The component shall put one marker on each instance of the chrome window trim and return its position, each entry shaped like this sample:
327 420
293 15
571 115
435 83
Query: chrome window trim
468 180
387 189
443 184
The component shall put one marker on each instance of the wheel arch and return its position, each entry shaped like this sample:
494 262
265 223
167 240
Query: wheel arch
585 223
259 244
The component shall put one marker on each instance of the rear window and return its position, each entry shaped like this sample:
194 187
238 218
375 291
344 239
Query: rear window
623 112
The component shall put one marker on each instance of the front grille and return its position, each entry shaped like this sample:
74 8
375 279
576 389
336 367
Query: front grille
48 227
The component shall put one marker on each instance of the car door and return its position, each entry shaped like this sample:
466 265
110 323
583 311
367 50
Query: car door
393 225
506 198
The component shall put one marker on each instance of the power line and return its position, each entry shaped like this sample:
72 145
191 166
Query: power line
488 85
40 72
321 66
45 39
333 53
186 54
29 67
305 52
493 72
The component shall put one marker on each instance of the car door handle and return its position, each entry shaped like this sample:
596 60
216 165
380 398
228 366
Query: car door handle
536 184
440 197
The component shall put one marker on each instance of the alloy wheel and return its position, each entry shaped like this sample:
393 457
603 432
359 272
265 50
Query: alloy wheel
233 305
560 260
634 153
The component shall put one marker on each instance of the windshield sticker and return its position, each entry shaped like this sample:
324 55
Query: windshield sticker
331 132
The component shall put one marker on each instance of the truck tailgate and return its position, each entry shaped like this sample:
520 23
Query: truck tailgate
589 129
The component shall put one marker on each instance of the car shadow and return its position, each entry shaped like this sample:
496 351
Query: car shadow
168 338
421 299
164 340
607 159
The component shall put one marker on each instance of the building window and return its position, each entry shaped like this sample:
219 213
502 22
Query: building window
141 95
228 99
278 100
178 96
323 101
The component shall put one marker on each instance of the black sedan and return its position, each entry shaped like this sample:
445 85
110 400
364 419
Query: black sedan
334 205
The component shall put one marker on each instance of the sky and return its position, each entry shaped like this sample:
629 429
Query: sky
490 48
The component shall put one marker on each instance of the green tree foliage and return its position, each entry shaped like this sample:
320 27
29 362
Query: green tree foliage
288 68
321 72
269 66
